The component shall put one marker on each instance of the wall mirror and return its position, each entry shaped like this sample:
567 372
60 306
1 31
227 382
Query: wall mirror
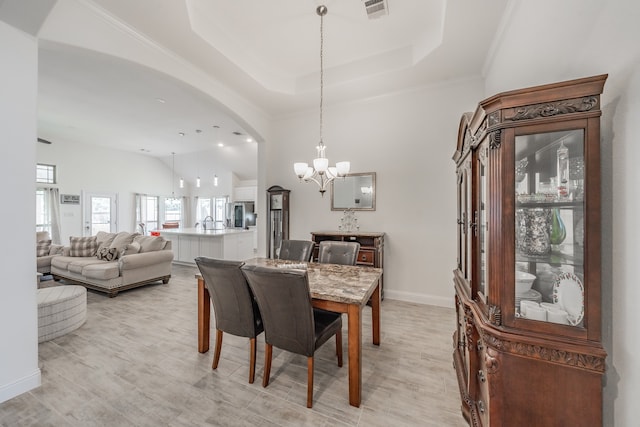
355 191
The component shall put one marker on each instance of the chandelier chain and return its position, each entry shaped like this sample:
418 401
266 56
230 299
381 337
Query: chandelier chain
321 173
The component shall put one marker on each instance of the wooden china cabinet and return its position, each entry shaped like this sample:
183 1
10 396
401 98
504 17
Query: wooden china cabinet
527 344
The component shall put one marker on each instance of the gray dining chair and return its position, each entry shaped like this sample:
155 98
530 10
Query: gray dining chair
290 321
296 250
234 306
335 252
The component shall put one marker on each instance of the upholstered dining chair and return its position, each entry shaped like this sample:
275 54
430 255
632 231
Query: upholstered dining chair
290 321
334 252
234 306
296 250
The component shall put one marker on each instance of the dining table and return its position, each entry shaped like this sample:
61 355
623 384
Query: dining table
339 288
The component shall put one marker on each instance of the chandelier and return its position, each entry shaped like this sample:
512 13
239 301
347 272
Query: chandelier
321 173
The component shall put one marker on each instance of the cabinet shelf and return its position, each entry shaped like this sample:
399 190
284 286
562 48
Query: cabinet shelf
553 258
551 205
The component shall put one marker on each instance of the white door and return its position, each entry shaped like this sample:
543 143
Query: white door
100 213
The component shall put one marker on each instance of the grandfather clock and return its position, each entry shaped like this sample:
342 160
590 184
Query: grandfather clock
277 218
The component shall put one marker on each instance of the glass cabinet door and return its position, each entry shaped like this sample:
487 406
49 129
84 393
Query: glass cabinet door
464 216
481 222
549 227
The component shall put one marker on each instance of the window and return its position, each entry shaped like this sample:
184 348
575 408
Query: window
220 203
43 211
45 174
147 212
172 209
203 209
215 207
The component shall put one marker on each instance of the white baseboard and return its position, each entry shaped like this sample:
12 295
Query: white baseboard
419 298
22 385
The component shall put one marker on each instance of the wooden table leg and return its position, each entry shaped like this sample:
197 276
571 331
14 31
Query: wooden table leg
354 320
375 314
204 317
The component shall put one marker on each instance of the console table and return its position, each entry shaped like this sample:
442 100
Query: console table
371 247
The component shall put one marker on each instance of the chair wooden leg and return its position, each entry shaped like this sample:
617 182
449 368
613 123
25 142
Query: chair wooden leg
268 349
339 347
216 354
309 382
252 360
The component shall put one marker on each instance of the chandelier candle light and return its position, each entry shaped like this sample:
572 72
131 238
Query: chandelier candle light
321 173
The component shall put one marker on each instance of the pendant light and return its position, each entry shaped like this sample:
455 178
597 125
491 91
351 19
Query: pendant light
321 173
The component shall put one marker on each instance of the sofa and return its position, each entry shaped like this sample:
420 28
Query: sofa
112 262
45 251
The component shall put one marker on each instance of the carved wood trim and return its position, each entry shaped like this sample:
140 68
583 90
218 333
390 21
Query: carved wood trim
495 139
494 118
549 109
468 402
468 328
578 360
495 315
491 361
468 142
483 152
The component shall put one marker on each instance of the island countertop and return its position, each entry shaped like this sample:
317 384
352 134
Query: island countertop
235 244
198 231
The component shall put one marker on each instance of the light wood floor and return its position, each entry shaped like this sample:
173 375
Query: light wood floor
135 363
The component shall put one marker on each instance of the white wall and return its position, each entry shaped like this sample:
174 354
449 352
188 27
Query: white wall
623 375
408 140
86 168
19 370
546 41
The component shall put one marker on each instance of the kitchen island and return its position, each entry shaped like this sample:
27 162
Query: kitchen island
230 244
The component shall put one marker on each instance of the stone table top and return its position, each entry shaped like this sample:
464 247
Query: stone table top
333 282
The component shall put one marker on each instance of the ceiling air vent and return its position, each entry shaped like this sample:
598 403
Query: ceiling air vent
376 8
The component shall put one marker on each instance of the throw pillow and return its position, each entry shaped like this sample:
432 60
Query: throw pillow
56 249
82 246
121 240
131 248
43 247
151 243
107 254
104 239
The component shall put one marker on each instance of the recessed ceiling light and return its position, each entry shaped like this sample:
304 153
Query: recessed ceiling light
237 133
249 140
160 100
198 131
220 144
181 133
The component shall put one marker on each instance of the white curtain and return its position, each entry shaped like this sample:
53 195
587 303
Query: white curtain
196 220
140 213
52 200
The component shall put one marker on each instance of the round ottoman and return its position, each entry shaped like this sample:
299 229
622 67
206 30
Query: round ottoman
61 309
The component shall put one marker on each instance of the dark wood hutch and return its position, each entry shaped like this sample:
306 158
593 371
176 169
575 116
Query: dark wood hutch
527 344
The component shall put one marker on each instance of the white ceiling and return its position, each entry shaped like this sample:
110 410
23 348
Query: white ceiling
267 52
